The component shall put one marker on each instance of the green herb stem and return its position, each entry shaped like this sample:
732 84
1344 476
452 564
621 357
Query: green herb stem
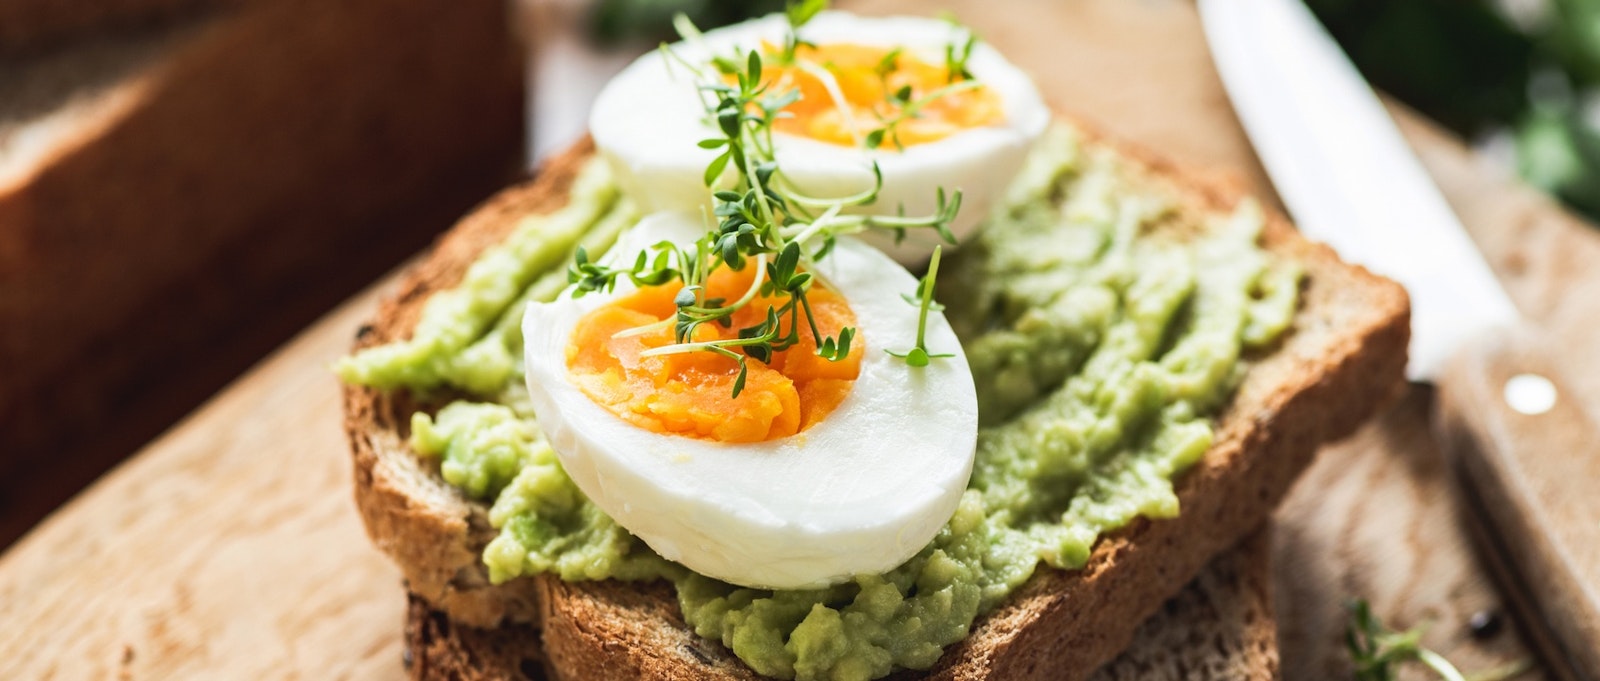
909 109
762 220
927 298
1377 652
1439 665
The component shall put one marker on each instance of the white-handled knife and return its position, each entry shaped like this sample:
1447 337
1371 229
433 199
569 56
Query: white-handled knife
1528 455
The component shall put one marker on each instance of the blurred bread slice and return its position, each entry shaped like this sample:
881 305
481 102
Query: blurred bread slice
164 190
34 25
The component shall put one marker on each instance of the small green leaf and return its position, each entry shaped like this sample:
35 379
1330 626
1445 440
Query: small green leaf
916 301
769 328
840 349
1377 652
714 170
738 383
803 11
875 138
827 247
916 357
712 143
775 104
888 63
789 259
728 119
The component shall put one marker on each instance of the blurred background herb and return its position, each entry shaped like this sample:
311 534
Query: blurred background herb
1520 78
1509 74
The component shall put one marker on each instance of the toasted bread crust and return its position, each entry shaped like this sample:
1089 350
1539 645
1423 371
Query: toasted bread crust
1343 361
433 533
1219 627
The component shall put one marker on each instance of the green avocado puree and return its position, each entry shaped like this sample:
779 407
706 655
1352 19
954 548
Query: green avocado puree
1103 332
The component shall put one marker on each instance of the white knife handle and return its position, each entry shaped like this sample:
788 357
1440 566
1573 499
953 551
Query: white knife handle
1528 455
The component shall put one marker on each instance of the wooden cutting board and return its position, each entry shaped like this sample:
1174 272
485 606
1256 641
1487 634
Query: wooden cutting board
231 542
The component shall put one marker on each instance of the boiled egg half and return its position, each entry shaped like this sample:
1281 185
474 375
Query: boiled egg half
973 137
817 471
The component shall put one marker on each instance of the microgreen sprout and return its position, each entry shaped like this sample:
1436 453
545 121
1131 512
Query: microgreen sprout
907 108
803 11
887 65
798 13
956 58
1378 652
919 355
902 100
758 219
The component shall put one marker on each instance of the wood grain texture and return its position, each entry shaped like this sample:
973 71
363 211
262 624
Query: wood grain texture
186 557
229 550
1379 516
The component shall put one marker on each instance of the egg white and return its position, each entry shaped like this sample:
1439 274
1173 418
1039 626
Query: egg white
647 121
858 493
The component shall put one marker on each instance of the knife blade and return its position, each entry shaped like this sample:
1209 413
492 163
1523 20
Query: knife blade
1522 446
1346 174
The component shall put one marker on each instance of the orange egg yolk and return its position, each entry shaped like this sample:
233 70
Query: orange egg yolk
866 91
691 393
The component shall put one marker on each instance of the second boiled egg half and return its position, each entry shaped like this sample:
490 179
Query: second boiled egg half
973 137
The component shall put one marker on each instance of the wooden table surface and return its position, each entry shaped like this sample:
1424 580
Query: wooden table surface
230 547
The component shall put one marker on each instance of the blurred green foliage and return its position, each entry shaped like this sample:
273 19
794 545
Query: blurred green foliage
1456 59
1466 64
618 21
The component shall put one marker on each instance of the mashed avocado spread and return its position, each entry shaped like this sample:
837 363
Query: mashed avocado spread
1103 330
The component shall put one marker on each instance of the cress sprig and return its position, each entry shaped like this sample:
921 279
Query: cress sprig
1377 652
956 58
919 356
761 220
907 108
901 100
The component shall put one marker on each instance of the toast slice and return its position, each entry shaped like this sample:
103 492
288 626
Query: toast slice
1343 360
1219 627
